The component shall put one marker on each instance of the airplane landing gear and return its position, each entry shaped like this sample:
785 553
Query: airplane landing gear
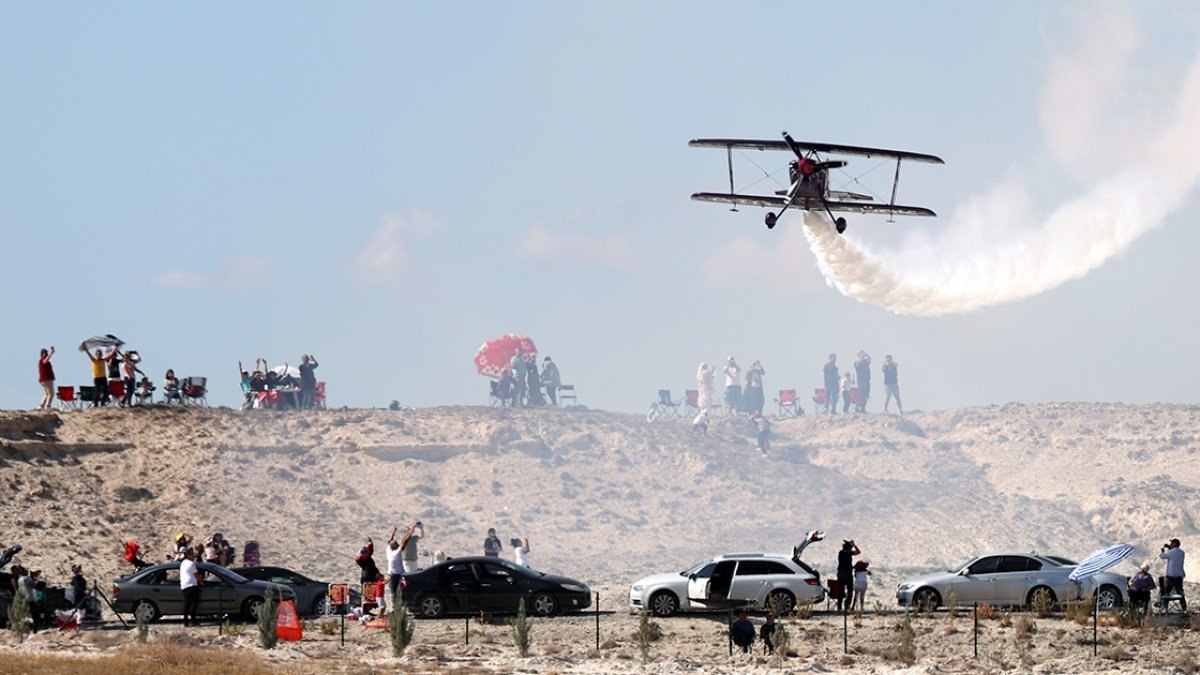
770 219
841 225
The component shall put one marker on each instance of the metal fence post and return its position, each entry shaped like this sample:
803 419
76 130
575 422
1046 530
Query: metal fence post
467 619
845 631
976 629
597 620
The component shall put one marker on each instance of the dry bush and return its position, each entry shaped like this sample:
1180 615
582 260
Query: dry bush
951 606
1081 611
1006 619
1185 661
647 631
905 649
608 644
328 627
1025 627
227 628
985 611
1115 653
803 611
520 630
1041 604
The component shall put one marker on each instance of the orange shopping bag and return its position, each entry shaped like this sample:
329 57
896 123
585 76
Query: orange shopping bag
287 622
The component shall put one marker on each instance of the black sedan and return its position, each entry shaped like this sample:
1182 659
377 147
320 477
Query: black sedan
485 584
155 591
312 597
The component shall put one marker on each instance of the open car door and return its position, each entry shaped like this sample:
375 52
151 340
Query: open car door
710 586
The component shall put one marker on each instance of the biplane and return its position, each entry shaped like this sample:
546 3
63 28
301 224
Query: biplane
808 176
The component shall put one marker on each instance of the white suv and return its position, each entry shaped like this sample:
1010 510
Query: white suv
751 580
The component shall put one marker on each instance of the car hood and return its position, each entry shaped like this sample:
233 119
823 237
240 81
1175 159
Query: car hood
555 579
660 579
930 579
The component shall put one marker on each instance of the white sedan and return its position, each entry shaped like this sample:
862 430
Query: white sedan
751 580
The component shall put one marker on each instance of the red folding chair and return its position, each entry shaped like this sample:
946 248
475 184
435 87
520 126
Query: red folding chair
789 405
116 390
819 398
66 398
855 397
692 401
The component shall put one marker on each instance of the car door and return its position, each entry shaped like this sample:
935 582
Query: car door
1014 578
163 589
499 590
218 595
977 582
751 580
463 585
711 585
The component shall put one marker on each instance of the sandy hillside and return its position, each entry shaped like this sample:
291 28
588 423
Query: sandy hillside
602 496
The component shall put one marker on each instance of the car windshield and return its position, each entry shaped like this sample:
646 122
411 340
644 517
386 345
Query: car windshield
226 574
1067 562
960 568
693 569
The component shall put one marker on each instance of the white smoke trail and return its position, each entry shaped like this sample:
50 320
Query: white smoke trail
982 259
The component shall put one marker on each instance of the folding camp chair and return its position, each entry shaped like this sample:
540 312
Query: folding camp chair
116 390
495 398
668 407
66 398
195 390
691 402
789 405
87 394
147 397
819 399
565 392
855 398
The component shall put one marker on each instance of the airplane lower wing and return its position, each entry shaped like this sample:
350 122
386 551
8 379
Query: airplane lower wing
812 204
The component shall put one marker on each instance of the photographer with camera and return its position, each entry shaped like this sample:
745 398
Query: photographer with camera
1172 581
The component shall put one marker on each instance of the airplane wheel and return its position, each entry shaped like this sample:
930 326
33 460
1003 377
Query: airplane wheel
770 218
841 225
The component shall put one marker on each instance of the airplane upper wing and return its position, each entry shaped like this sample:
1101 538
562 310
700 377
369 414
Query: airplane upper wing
818 147
812 204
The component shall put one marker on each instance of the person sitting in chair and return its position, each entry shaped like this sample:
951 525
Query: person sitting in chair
1140 586
171 391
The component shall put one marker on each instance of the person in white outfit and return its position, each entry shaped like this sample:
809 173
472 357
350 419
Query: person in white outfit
521 551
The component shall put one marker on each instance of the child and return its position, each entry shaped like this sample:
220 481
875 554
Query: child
860 584
700 424
764 431
847 385
520 550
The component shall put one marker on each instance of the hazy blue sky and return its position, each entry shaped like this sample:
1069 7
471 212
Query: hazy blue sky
388 185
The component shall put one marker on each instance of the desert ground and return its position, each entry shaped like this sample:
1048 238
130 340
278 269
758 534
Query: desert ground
607 498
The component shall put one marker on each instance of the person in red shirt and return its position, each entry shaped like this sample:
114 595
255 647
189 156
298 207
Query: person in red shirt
46 378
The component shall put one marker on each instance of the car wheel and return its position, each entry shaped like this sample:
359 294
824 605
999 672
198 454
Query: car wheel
664 603
1109 597
146 611
544 604
251 607
431 607
781 602
926 599
1040 596
320 606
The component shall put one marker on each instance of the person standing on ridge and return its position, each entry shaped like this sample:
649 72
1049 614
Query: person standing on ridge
46 378
308 380
550 380
862 374
733 386
891 383
831 385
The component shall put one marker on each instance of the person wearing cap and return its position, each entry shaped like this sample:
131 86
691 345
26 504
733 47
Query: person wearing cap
1173 576
733 386
861 573
551 380
1140 586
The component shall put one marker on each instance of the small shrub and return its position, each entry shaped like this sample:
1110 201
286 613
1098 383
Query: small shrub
1081 611
267 637
951 606
328 627
18 616
782 639
231 628
520 630
1115 653
1041 604
906 648
985 611
803 611
647 631
400 624
1025 627
1006 619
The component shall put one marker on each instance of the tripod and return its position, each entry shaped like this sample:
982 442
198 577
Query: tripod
95 591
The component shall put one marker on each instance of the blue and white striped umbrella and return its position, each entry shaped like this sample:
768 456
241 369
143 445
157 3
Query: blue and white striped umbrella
1100 561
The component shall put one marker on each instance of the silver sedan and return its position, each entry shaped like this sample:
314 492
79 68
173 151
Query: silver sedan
1010 580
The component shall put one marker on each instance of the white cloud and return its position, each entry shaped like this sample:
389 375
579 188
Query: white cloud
568 248
386 255
234 274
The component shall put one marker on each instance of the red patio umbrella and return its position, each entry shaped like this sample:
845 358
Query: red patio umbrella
495 354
